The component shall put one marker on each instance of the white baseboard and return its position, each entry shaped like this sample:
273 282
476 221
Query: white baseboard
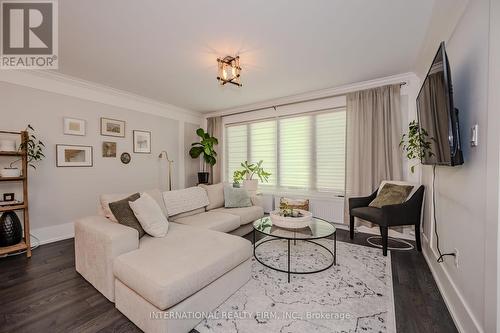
53 233
464 319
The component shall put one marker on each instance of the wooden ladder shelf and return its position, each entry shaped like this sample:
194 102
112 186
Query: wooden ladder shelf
25 244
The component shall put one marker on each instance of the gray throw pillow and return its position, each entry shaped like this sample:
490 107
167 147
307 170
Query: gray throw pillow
125 215
391 194
236 197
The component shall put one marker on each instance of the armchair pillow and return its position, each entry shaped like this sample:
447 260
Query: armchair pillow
391 194
125 215
236 197
150 215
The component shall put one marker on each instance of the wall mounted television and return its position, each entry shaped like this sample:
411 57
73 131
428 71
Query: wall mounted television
437 114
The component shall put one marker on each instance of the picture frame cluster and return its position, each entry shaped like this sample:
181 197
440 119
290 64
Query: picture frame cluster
71 155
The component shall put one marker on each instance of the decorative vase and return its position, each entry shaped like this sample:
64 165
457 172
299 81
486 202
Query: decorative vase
203 177
11 230
251 185
10 172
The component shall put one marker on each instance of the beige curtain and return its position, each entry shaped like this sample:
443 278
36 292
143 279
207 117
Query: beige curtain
372 140
214 128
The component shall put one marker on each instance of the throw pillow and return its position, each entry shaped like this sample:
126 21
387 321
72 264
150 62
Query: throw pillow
236 197
106 199
125 215
215 195
150 215
391 194
294 203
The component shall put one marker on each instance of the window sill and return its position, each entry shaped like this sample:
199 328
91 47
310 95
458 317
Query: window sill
301 193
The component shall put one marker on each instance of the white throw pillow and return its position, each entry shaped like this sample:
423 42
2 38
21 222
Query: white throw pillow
215 195
150 215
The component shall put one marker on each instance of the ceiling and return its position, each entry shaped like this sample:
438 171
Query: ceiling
166 50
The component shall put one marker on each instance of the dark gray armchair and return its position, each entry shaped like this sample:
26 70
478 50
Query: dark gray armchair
407 213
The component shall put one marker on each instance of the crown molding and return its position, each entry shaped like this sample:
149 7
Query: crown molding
409 78
71 86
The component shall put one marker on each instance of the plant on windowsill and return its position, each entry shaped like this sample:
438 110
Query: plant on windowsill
246 174
205 147
416 144
34 149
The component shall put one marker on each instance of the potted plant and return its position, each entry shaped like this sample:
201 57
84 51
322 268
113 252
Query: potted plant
34 149
416 144
206 148
246 175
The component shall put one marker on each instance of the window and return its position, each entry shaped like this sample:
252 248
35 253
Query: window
262 141
236 149
305 152
295 152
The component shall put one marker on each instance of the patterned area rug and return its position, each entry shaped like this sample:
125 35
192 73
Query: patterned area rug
354 296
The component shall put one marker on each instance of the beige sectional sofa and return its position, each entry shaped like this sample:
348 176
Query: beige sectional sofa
193 269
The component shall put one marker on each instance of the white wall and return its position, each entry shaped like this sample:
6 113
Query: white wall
492 315
60 195
463 193
191 166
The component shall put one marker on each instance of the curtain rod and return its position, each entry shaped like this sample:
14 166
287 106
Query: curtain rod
293 103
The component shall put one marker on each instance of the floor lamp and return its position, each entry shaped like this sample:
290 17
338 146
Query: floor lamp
162 155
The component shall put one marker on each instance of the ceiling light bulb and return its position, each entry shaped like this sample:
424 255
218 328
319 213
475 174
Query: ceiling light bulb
224 73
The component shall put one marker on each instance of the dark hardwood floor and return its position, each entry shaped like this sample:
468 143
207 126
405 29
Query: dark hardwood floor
46 294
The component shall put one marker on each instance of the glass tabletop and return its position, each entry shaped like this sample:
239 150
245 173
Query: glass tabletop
318 228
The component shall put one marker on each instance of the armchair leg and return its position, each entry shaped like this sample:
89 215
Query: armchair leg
417 237
384 234
351 226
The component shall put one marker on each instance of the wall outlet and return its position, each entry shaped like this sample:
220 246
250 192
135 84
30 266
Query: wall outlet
455 257
474 133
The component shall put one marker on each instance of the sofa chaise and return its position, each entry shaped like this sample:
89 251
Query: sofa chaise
151 280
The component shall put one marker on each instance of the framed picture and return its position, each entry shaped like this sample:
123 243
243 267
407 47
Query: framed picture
108 149
73 126
142 142
74 156
112 127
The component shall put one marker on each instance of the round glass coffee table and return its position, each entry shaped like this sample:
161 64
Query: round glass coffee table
317 229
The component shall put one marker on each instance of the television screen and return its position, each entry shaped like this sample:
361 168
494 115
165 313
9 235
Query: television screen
437 115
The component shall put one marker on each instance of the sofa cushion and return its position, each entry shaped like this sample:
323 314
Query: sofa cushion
372 214
212 220
167 270
186 214
215 195
246 214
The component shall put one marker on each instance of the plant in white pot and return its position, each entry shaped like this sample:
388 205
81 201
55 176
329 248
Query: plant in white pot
246 175
34 149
